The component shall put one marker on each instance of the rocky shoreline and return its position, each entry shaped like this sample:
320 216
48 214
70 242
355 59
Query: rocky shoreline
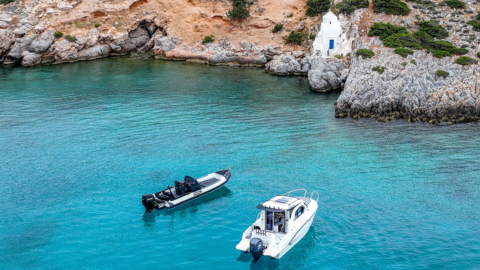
406 88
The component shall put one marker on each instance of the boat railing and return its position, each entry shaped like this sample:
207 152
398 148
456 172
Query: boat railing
288 193
304 194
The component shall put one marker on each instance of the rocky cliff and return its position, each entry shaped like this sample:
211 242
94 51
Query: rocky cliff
384 87
167 29
410 87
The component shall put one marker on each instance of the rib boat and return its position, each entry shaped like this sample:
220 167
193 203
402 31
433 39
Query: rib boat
283 221
185 191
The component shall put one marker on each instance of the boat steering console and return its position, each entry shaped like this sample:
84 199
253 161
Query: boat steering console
188 185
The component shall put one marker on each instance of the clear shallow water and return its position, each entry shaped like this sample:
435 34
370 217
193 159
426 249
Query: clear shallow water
80 143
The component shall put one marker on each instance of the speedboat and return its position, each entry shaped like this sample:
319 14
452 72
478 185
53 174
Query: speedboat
185 191
283 221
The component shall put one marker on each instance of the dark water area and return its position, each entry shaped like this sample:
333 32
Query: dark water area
80 143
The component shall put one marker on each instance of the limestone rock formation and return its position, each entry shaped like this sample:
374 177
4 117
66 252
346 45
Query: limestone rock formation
294 63
326 74
414 91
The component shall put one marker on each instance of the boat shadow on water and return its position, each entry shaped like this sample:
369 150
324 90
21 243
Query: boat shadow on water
186 209
298 254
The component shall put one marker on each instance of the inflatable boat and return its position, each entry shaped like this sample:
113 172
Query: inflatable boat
185 191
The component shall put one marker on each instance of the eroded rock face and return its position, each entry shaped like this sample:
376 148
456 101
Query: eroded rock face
326 74
289 64
42 43
20 46
413 91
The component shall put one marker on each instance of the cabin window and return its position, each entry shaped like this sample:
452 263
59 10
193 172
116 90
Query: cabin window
299 212
269 220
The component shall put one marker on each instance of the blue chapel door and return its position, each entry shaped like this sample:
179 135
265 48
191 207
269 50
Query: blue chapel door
331 44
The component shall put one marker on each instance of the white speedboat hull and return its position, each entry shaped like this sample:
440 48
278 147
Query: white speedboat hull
283 222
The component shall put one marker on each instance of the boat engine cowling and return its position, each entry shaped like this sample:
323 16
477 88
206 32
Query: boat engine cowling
148 201
256 248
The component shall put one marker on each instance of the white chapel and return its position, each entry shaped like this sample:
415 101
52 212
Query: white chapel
327 41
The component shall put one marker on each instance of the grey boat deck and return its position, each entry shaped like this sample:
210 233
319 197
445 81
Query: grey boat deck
209 182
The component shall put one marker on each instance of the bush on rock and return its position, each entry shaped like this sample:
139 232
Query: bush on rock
465 60
58 34
239 11
442 73
349 6
315 7
455 3
71 38
294 38
441 54
403 52
277 28
394 7
208 39
432 28
365 53
384 30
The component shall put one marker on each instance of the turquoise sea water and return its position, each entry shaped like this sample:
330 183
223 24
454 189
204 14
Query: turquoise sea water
80 143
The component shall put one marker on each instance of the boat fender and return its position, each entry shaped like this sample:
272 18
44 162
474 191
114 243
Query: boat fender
149 202
256 248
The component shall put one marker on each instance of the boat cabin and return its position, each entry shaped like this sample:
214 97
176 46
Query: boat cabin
278 211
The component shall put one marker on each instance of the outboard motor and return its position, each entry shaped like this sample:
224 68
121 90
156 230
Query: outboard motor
148 201
256 248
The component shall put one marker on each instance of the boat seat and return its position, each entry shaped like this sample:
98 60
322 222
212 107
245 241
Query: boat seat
179 188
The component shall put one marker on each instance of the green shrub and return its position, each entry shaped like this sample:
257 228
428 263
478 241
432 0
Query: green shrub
348 55
379 69
239 10
294 38
442 45
338 56
97 25
433 29
403 52
394 36
58 34
454 3
290 15
441 54
475 22
413 62
312 36
478 54
208 39
403 40
4 2
465 60
315 7
404 63
394 7
349 6
277 28
365 53
384 30
442 73
71 38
